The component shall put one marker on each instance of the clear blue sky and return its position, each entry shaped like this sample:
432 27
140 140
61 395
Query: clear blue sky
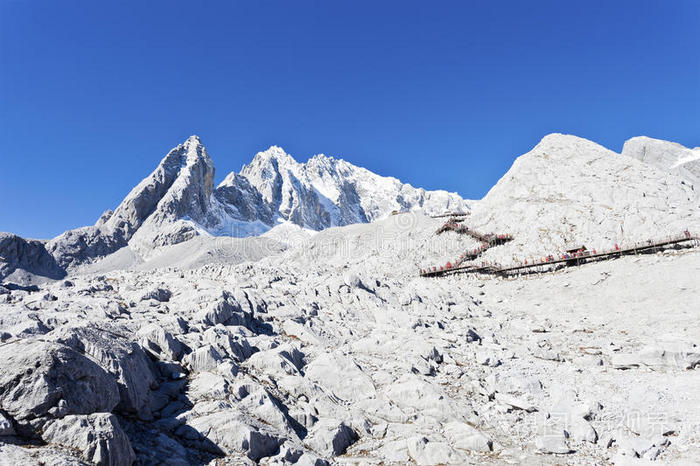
439 94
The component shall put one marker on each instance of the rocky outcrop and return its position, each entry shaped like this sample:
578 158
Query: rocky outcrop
98 437
42 380
668 156
125 360
30 256
179 188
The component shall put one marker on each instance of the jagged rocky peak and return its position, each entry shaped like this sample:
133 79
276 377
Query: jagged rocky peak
179 187
275 155
267 170
184 206
186 174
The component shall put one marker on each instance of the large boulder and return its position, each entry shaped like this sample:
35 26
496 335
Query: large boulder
226 310
41 379
98 437
124 359
203 359
331 438
160 343
232 434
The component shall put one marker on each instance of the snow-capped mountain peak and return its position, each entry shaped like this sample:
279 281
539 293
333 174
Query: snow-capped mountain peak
325 191
275 157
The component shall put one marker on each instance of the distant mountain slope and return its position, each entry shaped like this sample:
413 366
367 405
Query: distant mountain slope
570 191
666 155
26 256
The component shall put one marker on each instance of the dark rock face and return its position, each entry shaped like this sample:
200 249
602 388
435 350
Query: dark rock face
77 246
242 201
28 255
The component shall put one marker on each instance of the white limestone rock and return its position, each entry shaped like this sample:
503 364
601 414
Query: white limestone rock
666 156
230 432
98 437
341 375
552 444
671 356
160 343
423 451
124 359
462 436
38 376
330 437
159 294
226 310
416 396
202 359
12 455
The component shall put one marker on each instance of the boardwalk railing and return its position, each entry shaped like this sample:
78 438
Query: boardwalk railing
578 258
451 214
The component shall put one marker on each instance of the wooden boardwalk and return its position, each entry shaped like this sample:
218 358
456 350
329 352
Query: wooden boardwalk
552 261
454 215
456 225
